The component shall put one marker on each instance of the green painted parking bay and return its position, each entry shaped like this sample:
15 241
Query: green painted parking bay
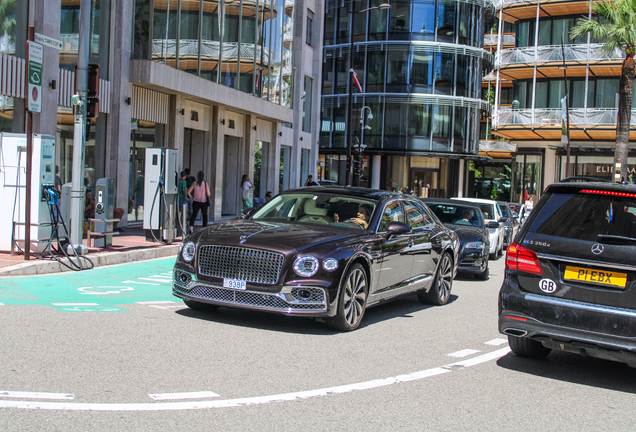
97 290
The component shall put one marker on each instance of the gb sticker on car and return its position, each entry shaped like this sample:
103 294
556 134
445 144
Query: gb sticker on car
547 286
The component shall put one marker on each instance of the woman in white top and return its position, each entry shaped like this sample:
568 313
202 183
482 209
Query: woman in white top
246 192
199 193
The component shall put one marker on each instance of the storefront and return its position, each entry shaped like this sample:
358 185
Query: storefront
595 162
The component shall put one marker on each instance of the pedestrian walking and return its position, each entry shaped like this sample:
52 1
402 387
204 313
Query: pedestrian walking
189 180
246 191
199 193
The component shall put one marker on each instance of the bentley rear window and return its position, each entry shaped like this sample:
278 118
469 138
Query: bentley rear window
588 217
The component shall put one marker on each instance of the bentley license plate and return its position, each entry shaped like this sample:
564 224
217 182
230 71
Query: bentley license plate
603 277
236 284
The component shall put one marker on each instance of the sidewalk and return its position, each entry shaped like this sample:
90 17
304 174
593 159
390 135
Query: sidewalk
130 245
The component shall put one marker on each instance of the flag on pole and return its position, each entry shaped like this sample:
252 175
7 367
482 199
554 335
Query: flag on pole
355 79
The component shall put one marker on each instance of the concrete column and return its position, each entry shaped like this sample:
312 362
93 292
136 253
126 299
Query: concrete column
175 126
375 176
461 181
217 153
273 174
46 19
118 129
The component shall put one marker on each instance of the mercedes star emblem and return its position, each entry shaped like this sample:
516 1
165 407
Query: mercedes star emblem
598 249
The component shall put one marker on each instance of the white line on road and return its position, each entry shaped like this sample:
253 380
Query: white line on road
140 283
156 280
496 342
190 395
257 400
155 302
463 353
75 304
36 395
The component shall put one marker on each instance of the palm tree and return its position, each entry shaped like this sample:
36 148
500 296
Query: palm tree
619 32
7 18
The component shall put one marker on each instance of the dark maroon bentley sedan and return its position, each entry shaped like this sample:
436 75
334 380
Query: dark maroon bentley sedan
327 252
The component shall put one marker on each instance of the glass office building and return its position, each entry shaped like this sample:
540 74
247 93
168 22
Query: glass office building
419 65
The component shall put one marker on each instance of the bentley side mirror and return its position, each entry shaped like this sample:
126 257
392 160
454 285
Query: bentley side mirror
397 228
245 213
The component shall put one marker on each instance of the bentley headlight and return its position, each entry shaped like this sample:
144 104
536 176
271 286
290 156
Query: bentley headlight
330 264
188 251
306 265
474 245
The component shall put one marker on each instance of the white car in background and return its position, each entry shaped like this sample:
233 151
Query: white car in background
491 214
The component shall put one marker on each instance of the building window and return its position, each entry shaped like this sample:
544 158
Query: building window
307 102
310 23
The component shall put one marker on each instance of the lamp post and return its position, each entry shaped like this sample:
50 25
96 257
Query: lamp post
361 145
567 112
349 171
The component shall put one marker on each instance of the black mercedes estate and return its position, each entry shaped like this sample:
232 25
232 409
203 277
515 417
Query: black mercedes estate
327 252
570 274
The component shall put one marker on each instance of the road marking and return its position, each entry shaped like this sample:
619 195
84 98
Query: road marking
463 353
75 304
156 280
154 302
496 342
257 400
140 283
36 395
107 290
190 395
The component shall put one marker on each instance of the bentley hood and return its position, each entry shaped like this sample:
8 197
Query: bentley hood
274 236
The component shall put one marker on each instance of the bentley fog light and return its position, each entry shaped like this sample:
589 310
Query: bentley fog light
330 264
306 265
188 251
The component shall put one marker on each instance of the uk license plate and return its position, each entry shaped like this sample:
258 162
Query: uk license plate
603 277
236 284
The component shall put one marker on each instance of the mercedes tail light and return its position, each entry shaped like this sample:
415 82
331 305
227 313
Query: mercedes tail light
522 260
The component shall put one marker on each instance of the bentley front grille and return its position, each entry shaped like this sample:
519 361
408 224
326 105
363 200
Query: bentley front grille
311 299
230 262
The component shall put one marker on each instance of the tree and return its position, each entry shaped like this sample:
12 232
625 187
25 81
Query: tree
619 32
7 18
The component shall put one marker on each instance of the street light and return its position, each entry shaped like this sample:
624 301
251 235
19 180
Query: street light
361 145
350 112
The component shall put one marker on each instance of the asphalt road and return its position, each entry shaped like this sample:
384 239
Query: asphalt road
111 349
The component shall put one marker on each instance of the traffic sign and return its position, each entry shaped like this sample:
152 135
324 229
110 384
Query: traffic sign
48 41
34 74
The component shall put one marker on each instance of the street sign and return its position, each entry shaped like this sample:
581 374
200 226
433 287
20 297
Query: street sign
34 71
48 41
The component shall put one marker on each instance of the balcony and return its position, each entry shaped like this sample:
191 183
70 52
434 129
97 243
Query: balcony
515 10
545 123
210 50
517 63
507 40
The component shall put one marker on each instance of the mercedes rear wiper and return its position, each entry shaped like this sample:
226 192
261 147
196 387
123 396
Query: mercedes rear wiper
602 238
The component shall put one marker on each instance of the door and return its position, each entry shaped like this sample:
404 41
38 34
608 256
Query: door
424 183
396 261
231 176
426 246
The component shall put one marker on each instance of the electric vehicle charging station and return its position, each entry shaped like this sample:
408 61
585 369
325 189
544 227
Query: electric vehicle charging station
104 206
13 190
161 178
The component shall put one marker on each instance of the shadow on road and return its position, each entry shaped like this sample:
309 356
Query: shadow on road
575 369
400 308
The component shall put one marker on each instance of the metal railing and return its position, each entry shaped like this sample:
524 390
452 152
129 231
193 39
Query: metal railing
492 39
489 145
552 117
162 48
582 53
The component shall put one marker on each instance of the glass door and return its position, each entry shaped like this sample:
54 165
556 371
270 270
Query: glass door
424 183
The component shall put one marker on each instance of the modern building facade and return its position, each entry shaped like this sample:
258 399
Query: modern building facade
232 85
419 65
531 79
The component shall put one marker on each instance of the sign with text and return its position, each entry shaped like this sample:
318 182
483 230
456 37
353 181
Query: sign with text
34 74
48 41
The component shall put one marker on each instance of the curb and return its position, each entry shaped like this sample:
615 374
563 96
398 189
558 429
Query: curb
39 267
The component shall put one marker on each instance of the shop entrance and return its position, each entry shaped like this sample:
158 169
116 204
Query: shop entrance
424 183
231 176
527 177
194 151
